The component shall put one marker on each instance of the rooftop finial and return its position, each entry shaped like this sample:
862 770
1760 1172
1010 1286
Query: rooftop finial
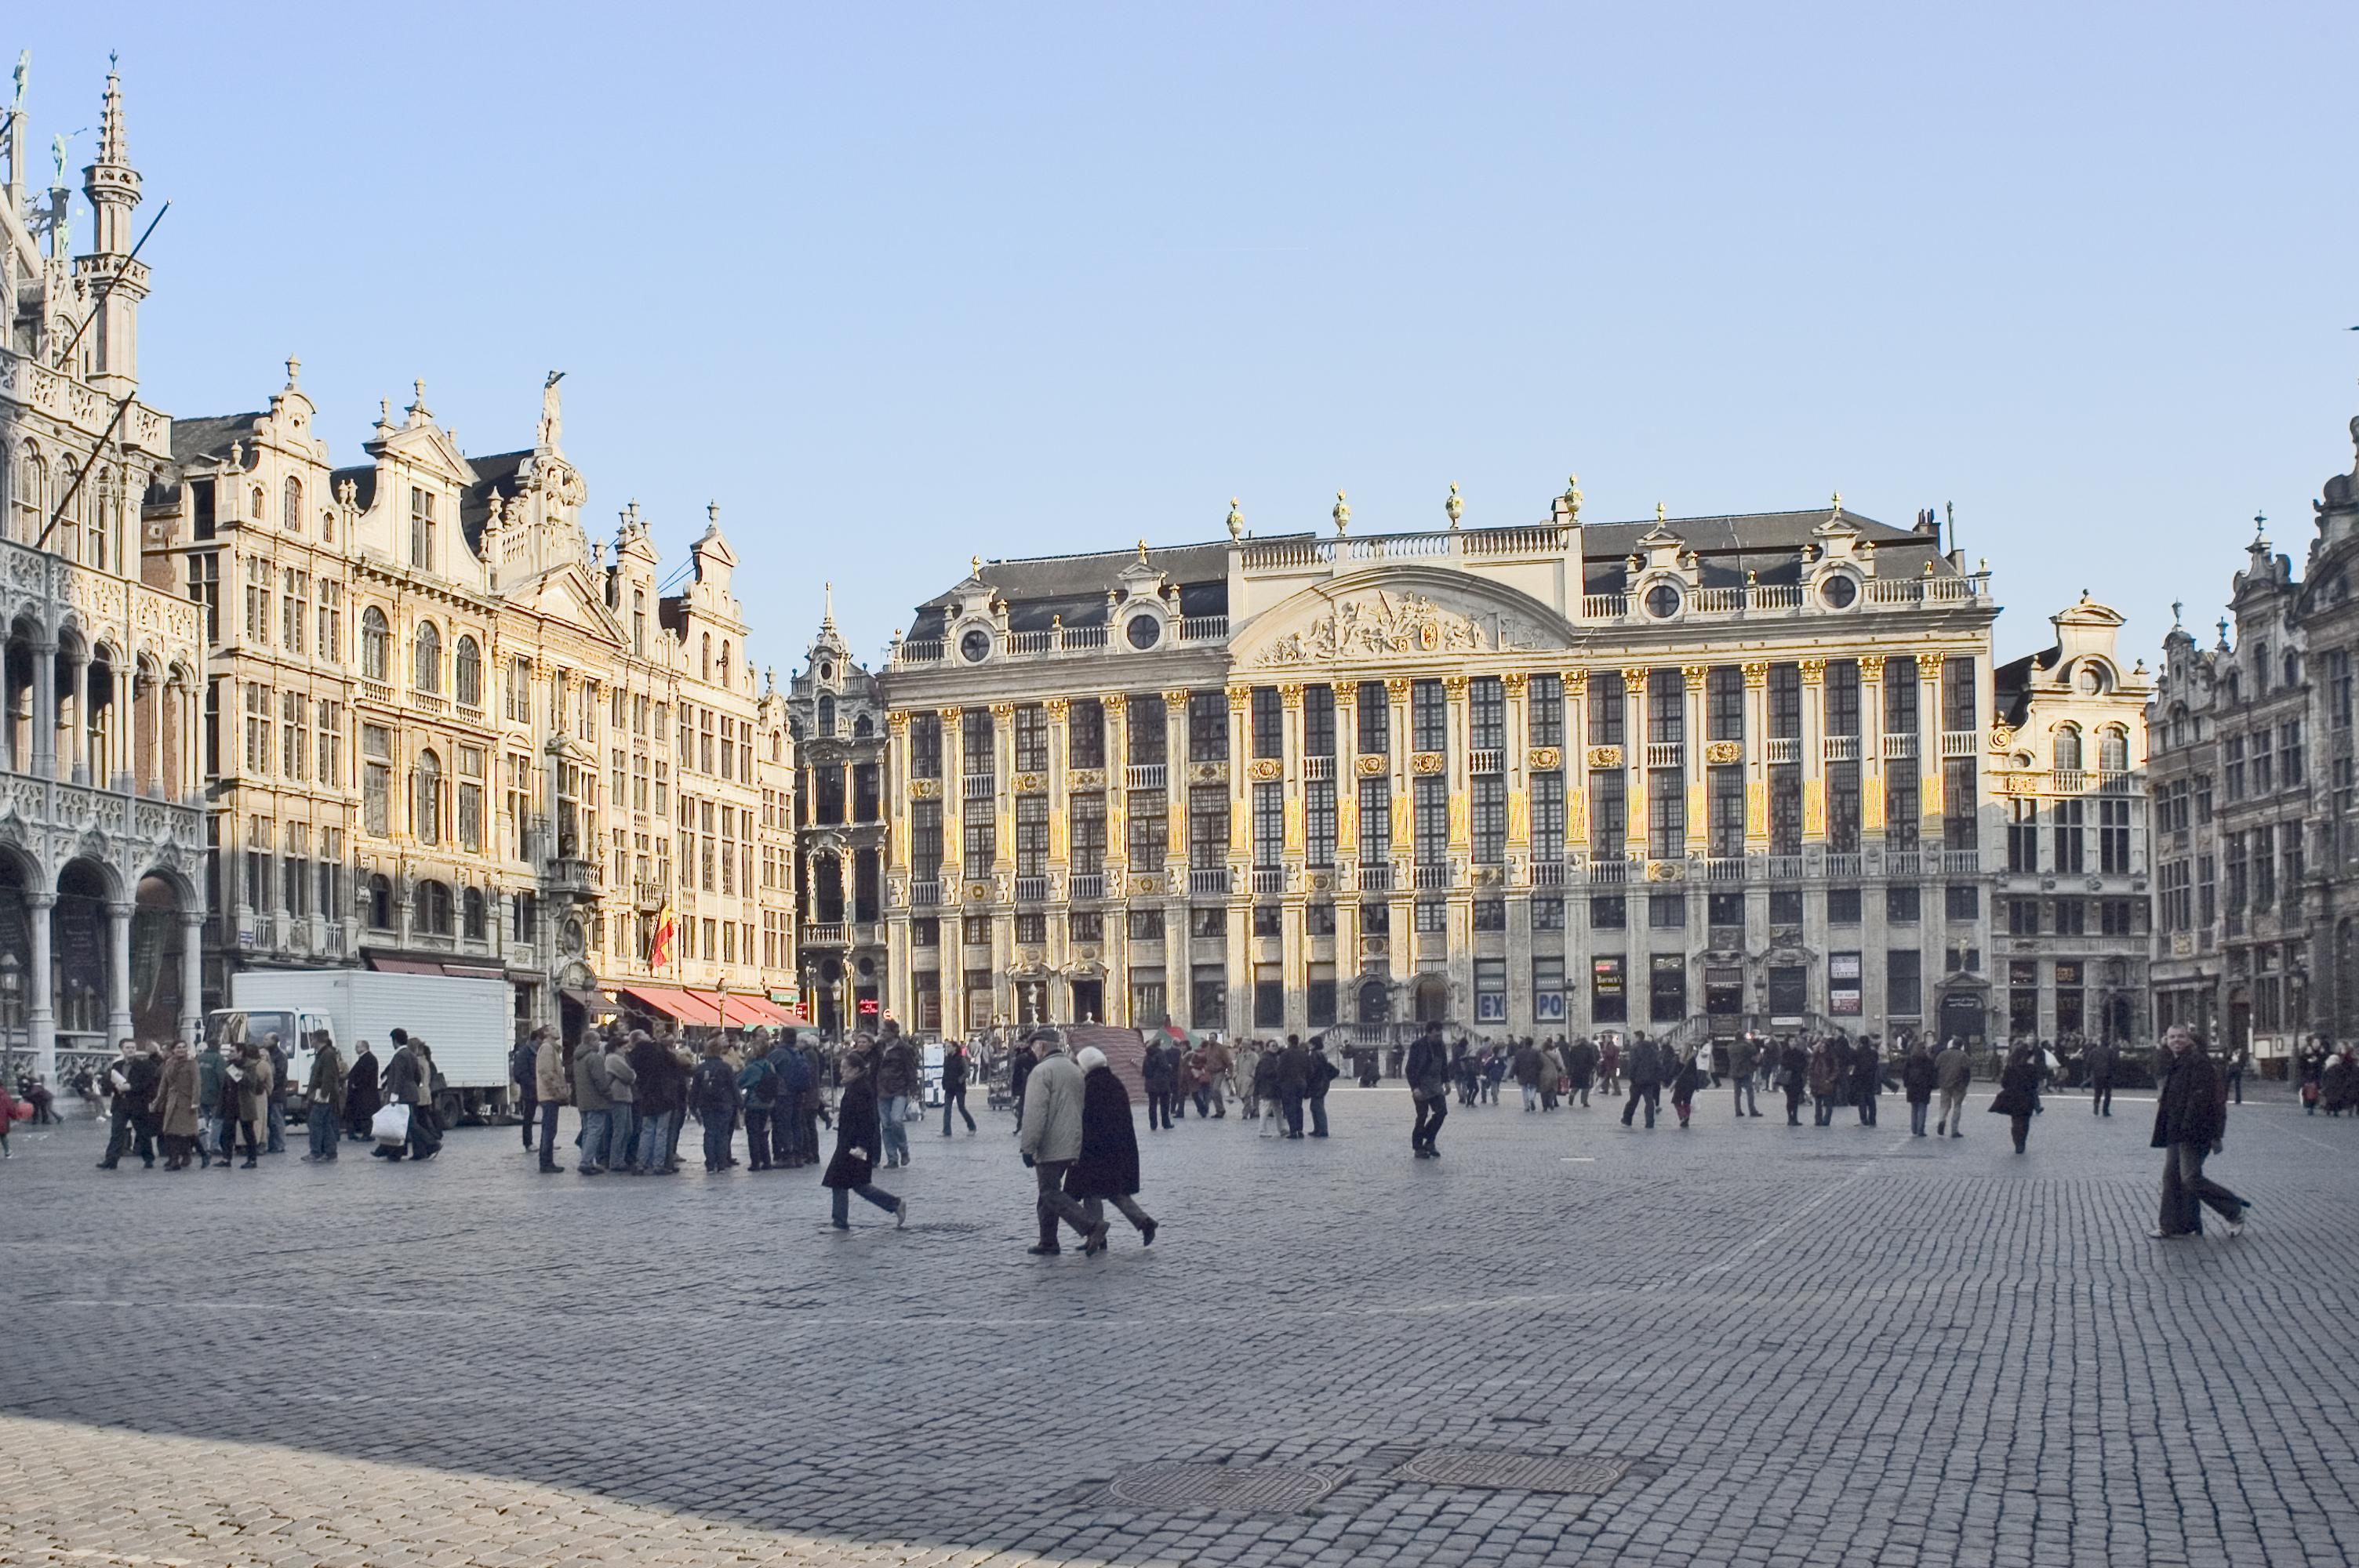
1573 497
826 612
2260 521
418 410
975 566
1453 507
112 146
1236 519
1142 552
294 369
1342 515
1838 504
1662 512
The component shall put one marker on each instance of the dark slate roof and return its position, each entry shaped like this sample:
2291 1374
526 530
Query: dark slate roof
207 436
495 474
364 478
1767 545
1073 589
2011 683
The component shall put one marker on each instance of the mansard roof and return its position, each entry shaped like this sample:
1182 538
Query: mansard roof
364 478
208 437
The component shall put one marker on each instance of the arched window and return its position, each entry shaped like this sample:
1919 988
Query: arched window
425 799
2113 749
380 903
291 513
434 908
467 673
67 501
826 716
862 727
429 657
777 747
470 914
373 644
707 653
2235 689
2068 748
2292 669
25 498
725 666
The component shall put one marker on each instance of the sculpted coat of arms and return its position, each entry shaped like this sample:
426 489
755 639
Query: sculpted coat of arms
1383 625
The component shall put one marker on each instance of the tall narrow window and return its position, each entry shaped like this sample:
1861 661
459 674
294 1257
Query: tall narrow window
421 528
425 787
430 658
467 673
290 510
373 643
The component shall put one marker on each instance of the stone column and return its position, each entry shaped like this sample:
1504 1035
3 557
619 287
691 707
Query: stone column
1929 749
81 734
118 969
1756 757
192 976
1871 747
1175 781
1576 767
45 708
1634 760
1457 734
1691 757
895 784
1814 762
953 875
152 783
1059 711
40 1014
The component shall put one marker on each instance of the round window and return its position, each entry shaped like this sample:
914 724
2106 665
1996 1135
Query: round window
976 647
1144 631
827 672
1662 602
1841 592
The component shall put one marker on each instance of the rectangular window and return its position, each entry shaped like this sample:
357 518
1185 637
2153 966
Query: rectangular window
926 840
205 589
1841 697
1901 906
2069 836
2114 836
1958 702
1375 822
1785 702
1490 990
1149 731
1667 989
1319 721
2289 754
421 529
1146 926
1432 917
1723 696
1208 726
1843 906
1269 824
1545 696
257 730
1319 822
1726 786
1487 714
1268 723
1488 817
1428 717
470 799
1088 814
1609 812
1031 835
1149 828
1608 1002
2022 834
1085 733
1031 739
1904 982
1667 706
2071 917
377 779
293 737
1208 826
1667 814
1429 806
978 845
1548 817
1785 810
1605 708
1962 900
925 746
1376 723
1608 912
1667 911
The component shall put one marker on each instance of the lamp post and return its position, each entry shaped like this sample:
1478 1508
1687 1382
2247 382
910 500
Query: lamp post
12 982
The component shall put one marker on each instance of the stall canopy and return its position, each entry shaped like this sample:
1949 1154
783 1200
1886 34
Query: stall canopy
682 1006
385 966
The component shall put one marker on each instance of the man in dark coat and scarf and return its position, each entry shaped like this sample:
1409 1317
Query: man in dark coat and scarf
1107 1171
2191 1116
361 1101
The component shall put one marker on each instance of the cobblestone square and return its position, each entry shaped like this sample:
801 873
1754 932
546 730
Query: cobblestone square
1763 1345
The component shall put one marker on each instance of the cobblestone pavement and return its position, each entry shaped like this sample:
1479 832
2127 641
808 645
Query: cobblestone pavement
1794 1345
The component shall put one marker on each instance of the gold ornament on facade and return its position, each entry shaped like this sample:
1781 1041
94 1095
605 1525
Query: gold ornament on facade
1397 688
1544 759
898 721
1031 783
978 893
1694 675
1346 691
1634 677
1453 508
1342 515
1208 772
1057 706
1289 694
1666 870
1146 884
1453 687
2002 736
1512 683
1003 711
1605 756
950 715
1813 671
1265 769
1086 778
1757 672
1720 754
1240 698
1371 767
1114 703
925 789
1176 699
1871 666
1428 763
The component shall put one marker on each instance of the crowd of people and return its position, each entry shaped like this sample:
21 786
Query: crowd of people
634 1093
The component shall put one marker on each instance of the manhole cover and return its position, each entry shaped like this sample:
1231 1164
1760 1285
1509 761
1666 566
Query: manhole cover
1514 1472
1237 1488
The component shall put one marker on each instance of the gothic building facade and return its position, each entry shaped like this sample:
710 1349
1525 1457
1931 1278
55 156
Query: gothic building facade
100 841
1707 773
837 716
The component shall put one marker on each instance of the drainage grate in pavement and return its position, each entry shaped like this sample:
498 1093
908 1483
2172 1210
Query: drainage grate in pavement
1514 1472
1233 1488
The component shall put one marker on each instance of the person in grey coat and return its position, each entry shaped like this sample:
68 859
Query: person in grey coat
591 1100
1953 1072
1052 1140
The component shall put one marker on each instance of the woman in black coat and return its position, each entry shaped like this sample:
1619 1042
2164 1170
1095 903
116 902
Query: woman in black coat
1108 1168
2018 1092
857 1139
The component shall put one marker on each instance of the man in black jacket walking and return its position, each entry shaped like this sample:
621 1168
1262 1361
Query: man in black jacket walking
2100 1062
1428 1071
2190 1120
1643 1063
1293 1082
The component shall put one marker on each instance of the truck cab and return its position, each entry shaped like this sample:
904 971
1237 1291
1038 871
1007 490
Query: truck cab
230 1027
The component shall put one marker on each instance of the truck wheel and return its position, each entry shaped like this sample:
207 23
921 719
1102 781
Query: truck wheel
449 1108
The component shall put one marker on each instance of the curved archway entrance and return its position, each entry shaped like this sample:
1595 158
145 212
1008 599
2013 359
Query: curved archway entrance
161 943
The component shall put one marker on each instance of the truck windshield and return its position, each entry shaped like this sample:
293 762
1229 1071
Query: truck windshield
236 1028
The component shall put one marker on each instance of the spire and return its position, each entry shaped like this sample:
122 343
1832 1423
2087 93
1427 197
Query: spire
111 147
106 274
827 612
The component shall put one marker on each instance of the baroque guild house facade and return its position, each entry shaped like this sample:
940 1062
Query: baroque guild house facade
100 842
1558 777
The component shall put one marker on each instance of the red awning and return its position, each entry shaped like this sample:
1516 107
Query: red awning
757 1013
682 1006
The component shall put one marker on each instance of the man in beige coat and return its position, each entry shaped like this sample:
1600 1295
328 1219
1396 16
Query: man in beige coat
1050 1139
552 1086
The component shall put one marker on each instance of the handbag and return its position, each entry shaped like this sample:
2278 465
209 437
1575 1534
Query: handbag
390 1125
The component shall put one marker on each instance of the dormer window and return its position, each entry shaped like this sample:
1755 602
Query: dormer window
1663 601
421 528
1840 591
975 645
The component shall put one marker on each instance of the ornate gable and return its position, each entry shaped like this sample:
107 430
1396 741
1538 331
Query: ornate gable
1398 612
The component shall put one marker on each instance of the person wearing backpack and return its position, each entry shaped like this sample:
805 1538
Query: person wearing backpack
758 1085
793 1141
713 1089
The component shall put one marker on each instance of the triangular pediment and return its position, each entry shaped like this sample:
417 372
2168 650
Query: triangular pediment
428 446
568 595
1398 612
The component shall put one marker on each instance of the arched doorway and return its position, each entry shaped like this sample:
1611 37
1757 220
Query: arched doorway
158 960
1431 1000
82 969
15 977
1375 1001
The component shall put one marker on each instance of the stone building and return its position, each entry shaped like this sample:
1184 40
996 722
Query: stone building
2258 887
836 708
100 842
446 736
2070 911
1563 776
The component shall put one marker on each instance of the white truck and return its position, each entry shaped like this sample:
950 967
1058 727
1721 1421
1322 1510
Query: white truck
467 1022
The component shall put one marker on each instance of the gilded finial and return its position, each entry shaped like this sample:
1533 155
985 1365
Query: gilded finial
1454 506
1236 519
1838 504
1573 497
1662 512
1342 515
975 566
1142 552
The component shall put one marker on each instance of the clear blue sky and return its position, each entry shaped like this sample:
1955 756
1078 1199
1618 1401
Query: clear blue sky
895 285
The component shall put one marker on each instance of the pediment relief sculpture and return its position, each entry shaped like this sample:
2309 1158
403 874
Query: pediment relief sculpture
1377 625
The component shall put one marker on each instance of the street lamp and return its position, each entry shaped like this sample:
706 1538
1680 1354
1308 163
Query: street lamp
12 982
